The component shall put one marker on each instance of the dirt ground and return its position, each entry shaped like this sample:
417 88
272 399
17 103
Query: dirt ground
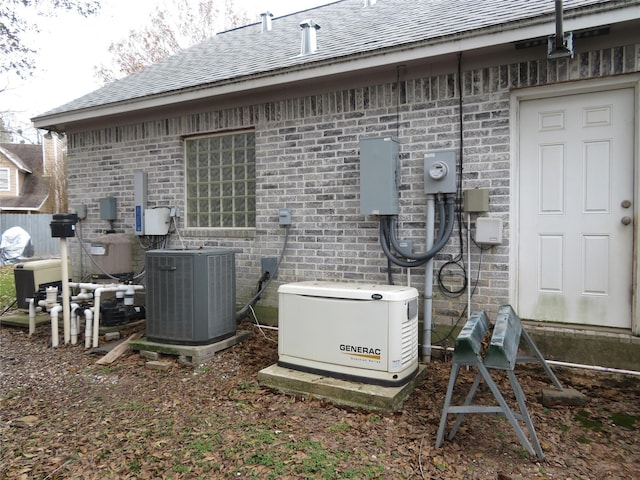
64 417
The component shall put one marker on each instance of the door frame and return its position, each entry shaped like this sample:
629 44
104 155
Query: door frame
558 90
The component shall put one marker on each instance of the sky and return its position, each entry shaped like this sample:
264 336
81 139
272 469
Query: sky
70 47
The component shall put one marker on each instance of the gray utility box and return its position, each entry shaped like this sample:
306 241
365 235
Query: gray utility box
191 296
440 172
379 176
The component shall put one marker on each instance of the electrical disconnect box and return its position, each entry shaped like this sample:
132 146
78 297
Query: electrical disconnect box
488 231
157 221
475 200
108 208
379 176
440 172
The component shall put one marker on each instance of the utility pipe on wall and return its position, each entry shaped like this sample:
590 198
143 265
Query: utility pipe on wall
428 281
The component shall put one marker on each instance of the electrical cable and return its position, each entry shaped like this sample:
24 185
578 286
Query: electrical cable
416 260
448 292
7 309
464 310
459 258
264 281
441 238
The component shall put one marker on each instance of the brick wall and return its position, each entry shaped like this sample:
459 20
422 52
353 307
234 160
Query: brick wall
308 161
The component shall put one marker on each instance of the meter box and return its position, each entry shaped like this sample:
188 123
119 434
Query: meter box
379 176
440 172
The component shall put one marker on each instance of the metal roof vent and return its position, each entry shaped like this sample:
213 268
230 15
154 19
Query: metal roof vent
368 3
266 21
308 44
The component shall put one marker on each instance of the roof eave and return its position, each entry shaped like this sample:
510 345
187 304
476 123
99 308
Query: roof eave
498 35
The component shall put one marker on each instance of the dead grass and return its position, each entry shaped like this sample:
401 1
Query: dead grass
62 416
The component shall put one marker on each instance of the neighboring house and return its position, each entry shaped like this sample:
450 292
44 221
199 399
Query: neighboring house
23 186
270 115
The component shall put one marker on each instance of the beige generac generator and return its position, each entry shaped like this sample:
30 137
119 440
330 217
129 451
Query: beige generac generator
361 332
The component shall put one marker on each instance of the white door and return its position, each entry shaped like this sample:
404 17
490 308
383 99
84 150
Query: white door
576 211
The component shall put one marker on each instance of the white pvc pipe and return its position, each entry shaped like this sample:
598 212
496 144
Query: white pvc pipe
54 325
65 290
32 316
582 366
83 295
87 286
595 368
51 298
74 324
96 305
88 320
428 281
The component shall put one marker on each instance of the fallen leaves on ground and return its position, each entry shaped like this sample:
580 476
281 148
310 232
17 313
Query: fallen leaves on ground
62 416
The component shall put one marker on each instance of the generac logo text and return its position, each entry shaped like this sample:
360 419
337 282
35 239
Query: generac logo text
360 351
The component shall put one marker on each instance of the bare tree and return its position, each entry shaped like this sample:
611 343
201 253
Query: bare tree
5 130
171 27
17 20
55 149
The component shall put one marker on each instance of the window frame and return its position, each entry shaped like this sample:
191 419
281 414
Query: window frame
8 184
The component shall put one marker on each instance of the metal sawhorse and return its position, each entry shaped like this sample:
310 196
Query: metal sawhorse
501 354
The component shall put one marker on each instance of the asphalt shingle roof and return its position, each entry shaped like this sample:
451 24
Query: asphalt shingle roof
347 30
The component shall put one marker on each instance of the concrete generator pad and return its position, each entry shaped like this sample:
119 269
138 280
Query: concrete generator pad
342 392
192 355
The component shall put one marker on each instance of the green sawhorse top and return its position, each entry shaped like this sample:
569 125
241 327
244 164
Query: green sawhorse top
501 354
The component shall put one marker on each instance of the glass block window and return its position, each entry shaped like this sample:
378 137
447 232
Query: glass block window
221 181
4 179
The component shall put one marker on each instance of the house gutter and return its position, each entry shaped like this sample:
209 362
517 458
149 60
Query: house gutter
497 35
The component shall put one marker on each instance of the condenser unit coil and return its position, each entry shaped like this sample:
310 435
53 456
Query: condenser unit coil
190 295
362 332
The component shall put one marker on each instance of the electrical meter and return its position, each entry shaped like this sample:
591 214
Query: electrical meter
440 172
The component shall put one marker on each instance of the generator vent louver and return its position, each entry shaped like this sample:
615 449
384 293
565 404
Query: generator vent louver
409 340
190 296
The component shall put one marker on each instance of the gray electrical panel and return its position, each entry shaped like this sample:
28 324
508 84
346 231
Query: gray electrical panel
379 176
108 208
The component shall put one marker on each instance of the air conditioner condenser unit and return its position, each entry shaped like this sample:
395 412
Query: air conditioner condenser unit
362 332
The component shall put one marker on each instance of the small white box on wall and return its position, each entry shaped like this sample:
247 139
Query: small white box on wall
488 231
157 221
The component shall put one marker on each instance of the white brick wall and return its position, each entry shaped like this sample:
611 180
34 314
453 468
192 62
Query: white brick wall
308 160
